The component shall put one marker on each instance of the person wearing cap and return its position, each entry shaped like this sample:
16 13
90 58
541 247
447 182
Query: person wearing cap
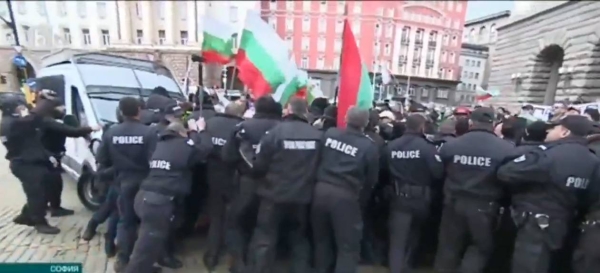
238 151
346 176
221 179
169 180
415 170
472 195
127 147
203 106
151 110
552 183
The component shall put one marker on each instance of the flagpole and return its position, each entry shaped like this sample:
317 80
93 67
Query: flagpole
337 89
232 77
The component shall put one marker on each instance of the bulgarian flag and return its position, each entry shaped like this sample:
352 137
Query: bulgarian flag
293 83
262 58
313 93
217 45
354 82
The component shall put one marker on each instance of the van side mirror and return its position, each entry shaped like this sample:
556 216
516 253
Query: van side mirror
71 120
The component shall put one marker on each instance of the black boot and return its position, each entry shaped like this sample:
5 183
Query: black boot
170 261
90 230
210 261
109 246
60 212
21 219
47 229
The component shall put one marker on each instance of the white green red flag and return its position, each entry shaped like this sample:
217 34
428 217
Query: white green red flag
218 42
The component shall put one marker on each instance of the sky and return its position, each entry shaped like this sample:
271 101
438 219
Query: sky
477 9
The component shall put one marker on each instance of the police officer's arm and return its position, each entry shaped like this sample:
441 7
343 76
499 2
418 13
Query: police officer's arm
372 171
69 131
533 166
203 146
150 140
434 161
103 154
230 151
264 153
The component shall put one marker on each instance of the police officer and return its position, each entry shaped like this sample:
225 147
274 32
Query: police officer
158 100
204 106
239 151
414 168
472 193
29 161
549 182
127 147
287 158
169 180
348 171
54 137
220 179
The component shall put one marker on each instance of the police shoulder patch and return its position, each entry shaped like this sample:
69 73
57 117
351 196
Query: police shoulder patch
543 147
190 142
519 159
369 138
438 158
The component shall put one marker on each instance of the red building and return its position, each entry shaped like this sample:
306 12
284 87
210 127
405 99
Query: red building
420 39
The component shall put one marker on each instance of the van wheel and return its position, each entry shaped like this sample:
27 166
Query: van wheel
89 197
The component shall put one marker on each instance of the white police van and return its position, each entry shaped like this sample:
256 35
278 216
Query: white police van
91 85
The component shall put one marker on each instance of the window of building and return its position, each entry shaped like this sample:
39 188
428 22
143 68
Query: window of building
444 57
233 14
62 8
389 31
139 36
290 42
470 75
273 5
321 44
376 49
450 74
289 24
182 5
273 21
387 50
87 40
183 35
445 39
356 27
493 33
162 37
289 5
101 9
339 26
336 62
341 6
9 38
304 62
451 57
321 62
476 76
454 40
138 9
82 9
305 43
478 63
337 46
390 12
442 94
67 35
105 37
377 30
306 24
306 5
379 11
322 25
41 8
357 6
323 6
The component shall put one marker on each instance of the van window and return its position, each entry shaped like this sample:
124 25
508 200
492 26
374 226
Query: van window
77 107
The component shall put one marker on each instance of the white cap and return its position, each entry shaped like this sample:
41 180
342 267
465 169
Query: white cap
387 114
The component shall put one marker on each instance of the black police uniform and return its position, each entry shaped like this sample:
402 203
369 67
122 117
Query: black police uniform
348 171
239 150
220 181
53 138
472 195
29 162
550 182
127 147
414 168
169 180
586 257
287 158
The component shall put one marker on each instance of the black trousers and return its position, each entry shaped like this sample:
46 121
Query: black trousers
54 187
156 215
586 258
336 225
218 204
467 228
242 222
405 231
126 230
271 217
32 178
535 244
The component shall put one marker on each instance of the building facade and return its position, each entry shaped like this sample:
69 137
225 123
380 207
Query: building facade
419 39
172 29
550 54
473 61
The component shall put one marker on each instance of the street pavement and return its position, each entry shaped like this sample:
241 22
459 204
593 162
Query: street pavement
21 244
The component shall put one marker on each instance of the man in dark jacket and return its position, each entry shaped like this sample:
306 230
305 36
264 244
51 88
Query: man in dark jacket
156 102
287 159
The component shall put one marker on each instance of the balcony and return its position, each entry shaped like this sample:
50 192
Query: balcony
429 63
419 41
432 44
402 59
405 41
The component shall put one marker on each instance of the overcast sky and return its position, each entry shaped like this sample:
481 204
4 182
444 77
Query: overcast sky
477 9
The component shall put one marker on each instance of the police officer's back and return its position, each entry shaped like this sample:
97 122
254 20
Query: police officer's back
472 194
349 168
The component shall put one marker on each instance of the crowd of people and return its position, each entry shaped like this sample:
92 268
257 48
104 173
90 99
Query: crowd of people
474 190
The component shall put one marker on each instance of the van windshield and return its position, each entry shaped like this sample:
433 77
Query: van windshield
105 99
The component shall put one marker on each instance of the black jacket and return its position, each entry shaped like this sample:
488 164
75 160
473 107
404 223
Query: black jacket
241 145
22 138
350 160
471 161
127 147
55 135
172 161
219 173
208 112
288 157
413 161
556 178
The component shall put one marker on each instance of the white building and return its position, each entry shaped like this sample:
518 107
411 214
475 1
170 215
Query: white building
100 24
